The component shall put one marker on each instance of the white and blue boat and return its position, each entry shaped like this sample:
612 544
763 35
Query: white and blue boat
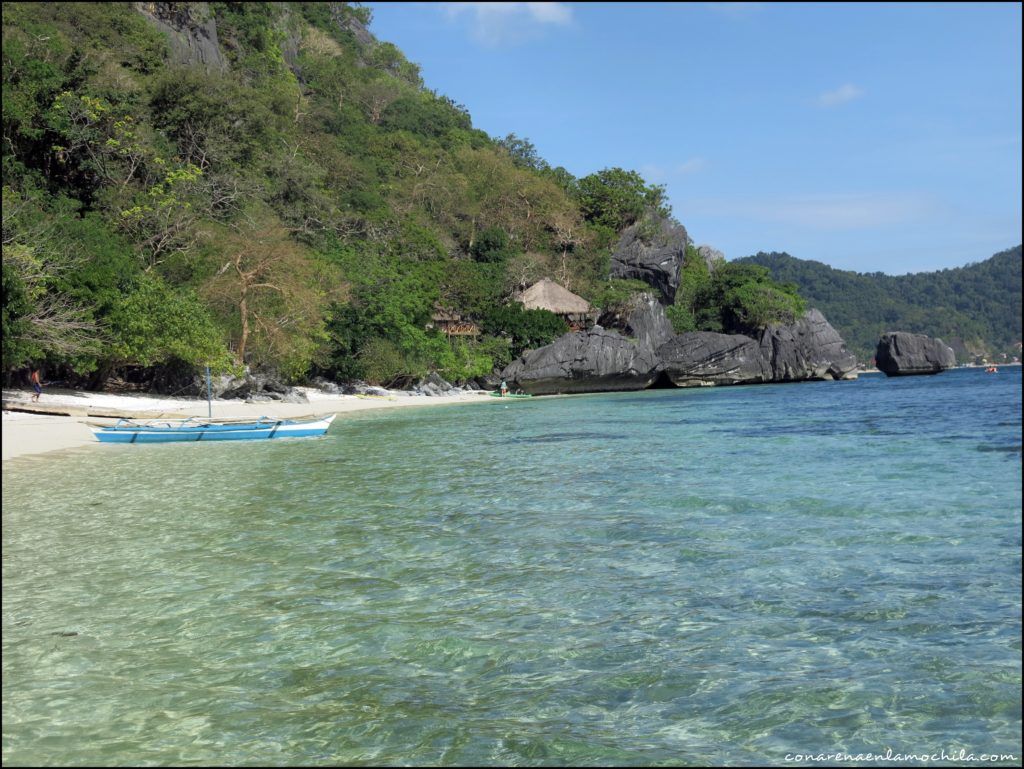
204 429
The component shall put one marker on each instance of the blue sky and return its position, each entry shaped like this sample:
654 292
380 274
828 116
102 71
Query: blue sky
869 136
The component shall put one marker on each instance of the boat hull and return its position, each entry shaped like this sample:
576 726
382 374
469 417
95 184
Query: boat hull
183 432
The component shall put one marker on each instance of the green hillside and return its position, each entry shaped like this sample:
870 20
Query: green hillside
266 184
976 309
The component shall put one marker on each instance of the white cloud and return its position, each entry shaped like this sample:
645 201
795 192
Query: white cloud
841 95
498 23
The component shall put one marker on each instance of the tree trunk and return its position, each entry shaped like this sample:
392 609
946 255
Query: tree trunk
243 308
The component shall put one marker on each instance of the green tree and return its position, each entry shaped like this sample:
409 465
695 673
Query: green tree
154 323
742 299
693 293
269 292
523 153
491 246
525 329
616 198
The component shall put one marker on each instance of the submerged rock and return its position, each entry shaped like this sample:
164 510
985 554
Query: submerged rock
903 354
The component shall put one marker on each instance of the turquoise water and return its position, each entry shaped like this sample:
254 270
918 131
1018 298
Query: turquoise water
713 576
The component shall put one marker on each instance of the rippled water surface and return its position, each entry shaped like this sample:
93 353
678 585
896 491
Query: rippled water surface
724 575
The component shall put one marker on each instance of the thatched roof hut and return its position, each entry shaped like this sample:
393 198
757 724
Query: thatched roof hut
547 295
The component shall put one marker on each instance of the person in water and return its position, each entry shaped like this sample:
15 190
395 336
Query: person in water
37 384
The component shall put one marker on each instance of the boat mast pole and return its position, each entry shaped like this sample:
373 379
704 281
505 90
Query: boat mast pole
209 395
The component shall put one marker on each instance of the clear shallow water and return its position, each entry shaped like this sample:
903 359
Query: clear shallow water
724 575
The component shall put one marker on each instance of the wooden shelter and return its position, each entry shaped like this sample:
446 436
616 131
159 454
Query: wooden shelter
452 323
547 295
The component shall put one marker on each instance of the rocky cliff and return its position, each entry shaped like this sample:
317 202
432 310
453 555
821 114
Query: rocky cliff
191 30
601 359
652 250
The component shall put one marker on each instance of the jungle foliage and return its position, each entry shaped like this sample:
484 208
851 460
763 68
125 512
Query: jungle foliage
306 207
304 203
976 309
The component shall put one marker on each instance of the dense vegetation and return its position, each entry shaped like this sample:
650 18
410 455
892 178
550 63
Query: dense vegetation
976 309
298 200
730 297
306 206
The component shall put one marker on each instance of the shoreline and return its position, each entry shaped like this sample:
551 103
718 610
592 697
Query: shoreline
34 434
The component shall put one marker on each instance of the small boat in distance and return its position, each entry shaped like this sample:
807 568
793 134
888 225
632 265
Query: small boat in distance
199 429
511 395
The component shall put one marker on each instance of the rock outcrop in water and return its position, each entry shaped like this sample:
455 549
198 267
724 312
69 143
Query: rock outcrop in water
603 360
807 349
595 360
702 358
902 354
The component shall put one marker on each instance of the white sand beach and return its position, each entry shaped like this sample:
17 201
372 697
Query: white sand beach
27 434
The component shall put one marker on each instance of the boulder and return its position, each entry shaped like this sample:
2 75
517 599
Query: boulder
488 381
595 360
327 386
600 359
702 358
438 381
807 349
643 319
263 382
652 250
902 354
294 396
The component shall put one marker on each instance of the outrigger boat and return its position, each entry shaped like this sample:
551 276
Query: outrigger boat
511 395
209 429
204 429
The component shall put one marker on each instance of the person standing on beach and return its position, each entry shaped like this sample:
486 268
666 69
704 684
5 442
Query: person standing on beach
37 384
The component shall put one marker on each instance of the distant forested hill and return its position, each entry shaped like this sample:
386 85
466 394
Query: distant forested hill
976 309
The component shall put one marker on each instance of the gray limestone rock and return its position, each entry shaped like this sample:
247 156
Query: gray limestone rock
191 31
652 250
600 359
903 354
807 349
595 360
702 358
644 320
712 257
